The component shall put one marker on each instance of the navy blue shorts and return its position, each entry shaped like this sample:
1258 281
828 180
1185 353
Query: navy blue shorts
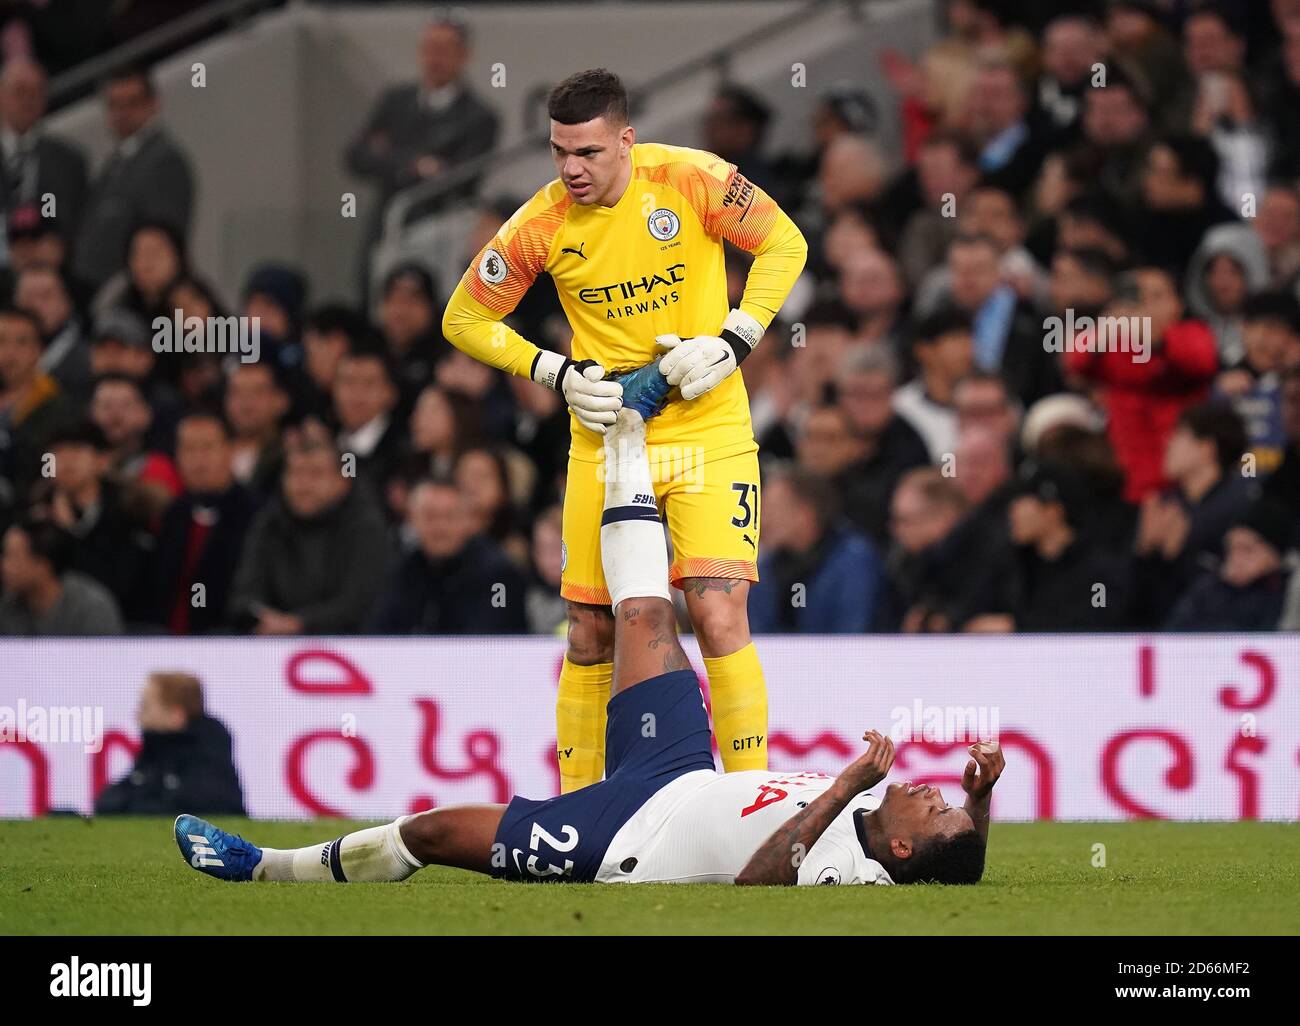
657 730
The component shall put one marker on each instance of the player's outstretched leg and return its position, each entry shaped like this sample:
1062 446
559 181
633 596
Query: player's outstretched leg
635 560
458 835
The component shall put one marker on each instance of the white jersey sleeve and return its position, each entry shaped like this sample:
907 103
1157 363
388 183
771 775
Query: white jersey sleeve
704 827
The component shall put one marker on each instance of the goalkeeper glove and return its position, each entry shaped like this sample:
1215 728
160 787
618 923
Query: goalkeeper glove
697 365
593 401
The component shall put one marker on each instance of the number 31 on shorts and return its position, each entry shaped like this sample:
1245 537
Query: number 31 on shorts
747 501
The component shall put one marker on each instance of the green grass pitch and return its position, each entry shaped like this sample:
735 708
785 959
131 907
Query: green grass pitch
125 876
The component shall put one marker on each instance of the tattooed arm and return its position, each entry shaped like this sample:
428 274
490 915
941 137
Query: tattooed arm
777 859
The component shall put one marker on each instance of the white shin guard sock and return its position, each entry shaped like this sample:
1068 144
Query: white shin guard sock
632 545
374 855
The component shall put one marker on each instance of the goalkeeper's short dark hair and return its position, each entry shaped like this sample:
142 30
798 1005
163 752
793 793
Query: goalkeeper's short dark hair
594 93
947 860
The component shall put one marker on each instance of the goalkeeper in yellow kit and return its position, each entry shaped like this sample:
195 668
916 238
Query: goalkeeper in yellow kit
631 233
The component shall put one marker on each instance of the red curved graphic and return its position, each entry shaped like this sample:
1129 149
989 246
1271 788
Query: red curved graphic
1230 697
1247 778
99 762
352 681
1178 776
360 778
39 801
482 751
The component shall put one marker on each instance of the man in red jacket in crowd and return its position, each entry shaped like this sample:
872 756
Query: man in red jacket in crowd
1145 383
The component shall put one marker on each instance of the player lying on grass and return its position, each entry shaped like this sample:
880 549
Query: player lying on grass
662 814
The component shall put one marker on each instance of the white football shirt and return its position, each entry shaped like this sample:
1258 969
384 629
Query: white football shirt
705 826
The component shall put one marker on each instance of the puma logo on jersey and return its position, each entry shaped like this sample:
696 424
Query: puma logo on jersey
751 542
576 252
199 857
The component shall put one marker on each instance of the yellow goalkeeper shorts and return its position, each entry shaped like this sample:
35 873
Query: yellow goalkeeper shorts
711 508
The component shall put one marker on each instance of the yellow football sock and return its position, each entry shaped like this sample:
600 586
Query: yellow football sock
739 698
580 723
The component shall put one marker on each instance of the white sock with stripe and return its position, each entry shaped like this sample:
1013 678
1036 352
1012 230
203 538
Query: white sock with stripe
374 855
632 547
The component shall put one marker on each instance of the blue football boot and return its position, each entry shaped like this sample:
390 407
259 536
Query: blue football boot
211 850
645 390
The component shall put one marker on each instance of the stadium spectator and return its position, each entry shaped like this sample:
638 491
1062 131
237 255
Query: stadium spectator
1278 228
997 109
1073 45
1211 43
982 401
547 611
944 353
541 433
888 445
1178 200
925 509
871 289
34 241
827 444
421 130
1225 115
146 474
155 260
1179 530
851 171
456 580
66 356
1140 39
409 317
1248 591
1006 333
734 125
947 169
1284 483
1116 123
186 758
121 345
255 404
1253 384
32 405
110 545
274 295
316 554
36 164
328 333
1144 392
1081 280
484 386
365 398
147 177
202 533
484 476
1228 267
1061 579
42 596
815 574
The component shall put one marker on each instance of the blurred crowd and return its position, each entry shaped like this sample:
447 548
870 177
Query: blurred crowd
951 441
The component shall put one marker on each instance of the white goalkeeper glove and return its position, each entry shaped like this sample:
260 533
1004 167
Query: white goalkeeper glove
594 402
699 364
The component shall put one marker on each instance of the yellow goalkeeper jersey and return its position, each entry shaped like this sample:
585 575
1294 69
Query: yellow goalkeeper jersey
651 264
